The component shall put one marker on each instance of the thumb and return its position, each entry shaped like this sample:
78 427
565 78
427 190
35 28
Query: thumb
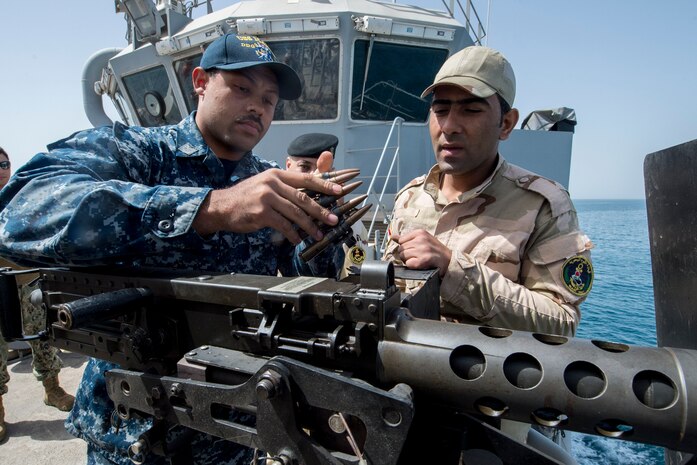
325 162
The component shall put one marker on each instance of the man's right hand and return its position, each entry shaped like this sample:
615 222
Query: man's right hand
420 250
269 199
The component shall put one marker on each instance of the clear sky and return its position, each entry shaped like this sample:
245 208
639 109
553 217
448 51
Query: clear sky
628 68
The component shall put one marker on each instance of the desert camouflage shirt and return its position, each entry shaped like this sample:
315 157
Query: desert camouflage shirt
519 258
127 196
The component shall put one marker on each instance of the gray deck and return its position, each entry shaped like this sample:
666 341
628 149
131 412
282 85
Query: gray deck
36 435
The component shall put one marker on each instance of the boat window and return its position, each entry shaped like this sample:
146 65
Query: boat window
152 97
317 63
183 69
388 80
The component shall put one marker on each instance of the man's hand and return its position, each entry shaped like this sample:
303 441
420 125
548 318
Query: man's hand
420 250
325 161
325 164
269 199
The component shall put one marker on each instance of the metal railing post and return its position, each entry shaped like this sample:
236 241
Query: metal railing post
398 123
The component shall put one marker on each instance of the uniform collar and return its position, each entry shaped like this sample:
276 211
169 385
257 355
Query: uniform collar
190 144
432 183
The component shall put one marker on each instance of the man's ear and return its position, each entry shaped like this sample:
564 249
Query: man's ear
199 78
510 119
288 163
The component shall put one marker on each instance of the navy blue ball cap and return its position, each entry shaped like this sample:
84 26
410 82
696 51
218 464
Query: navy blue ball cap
232 52
312 145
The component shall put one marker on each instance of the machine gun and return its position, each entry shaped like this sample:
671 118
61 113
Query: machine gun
351 372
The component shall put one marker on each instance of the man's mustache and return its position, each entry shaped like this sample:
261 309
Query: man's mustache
253 118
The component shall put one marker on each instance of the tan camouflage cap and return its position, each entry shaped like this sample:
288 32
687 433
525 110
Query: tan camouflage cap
482 71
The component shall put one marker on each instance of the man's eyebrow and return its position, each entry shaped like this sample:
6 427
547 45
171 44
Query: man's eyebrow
252 78
464 101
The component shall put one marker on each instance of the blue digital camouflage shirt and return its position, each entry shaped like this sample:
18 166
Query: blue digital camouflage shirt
127 196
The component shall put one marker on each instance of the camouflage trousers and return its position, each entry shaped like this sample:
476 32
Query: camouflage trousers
45 362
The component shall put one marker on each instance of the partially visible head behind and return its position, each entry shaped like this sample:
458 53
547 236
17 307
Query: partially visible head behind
4 168
305 150
233 52
481 71
239 83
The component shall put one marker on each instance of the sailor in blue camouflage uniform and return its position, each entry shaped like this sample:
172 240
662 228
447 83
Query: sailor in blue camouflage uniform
187 196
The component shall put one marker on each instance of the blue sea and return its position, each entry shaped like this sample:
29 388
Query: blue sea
620 307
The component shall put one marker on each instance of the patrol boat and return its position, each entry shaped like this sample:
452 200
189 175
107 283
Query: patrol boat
363 64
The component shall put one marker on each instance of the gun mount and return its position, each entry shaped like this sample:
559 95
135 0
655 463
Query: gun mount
353 372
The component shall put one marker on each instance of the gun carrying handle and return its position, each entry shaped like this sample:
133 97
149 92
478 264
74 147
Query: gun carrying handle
81 312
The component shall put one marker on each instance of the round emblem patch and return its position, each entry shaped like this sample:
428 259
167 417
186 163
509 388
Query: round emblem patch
356 255
577 274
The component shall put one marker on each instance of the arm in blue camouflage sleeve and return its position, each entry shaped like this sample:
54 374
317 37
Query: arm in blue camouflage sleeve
91 200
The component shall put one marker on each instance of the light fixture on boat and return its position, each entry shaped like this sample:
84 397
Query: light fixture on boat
190 39
387 26
145 17
251 26
262 26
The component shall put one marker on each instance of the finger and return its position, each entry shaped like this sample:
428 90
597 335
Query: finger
403 252
300 199
416 263
280 223
300 210
325 162
308 182
414 234
406 236
315 212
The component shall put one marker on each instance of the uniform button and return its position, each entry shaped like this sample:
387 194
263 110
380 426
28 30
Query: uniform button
165 225
524 179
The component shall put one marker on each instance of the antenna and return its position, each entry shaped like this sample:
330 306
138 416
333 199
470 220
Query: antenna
488 16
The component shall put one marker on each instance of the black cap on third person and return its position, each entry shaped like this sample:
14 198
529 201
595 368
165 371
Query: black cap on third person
312 145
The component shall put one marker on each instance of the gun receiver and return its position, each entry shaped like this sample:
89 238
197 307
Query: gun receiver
338 372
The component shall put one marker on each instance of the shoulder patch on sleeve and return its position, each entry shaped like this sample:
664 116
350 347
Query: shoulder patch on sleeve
577 275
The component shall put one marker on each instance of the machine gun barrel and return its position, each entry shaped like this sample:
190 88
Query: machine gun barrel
641 394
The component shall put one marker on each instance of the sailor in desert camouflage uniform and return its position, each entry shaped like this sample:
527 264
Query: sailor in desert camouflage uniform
188 196
506 241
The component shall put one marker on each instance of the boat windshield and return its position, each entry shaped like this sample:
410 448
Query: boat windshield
151 94
388 79
317 63
315 60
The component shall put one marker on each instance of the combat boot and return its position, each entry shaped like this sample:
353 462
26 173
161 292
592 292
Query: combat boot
3 429
55 395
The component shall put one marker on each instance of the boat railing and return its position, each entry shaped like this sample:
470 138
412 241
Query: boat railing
473 23
395 132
